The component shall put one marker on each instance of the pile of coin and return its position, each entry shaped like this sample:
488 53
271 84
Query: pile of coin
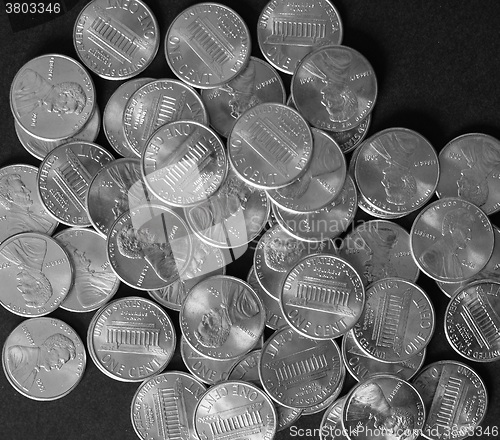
181 204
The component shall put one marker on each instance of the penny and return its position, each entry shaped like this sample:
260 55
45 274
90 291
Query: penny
397 322
300 372
286 416
383 406
451 240
116 40
131 339
113 116
455 399
380 249
270 146
397 171
157 103
361 366
149 247
184 163
94 281
35 274
20 207
322 297
64 177
44 358
207 45
235 409
288 31
469 166
163 406
331 423
40 148
52 97
233 216
335 88
222 317
315 409
472 322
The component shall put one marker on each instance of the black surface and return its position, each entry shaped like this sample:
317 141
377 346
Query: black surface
437 65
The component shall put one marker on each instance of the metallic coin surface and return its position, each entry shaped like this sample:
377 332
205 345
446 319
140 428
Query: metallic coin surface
35 274
326 223
322 181
64 177
184 163
365 206
331 423
451 240
44 358
315 409
455 399
472 321
383 407
155 104
205 261
233 216
397 171
222 317
469 168
397 322
116 40
380 249
207 45
40 148
288 31
131 339
299 372
20 207
149 247
163 406
235 409
270 146
361 366
286 416
335 88
94 281
52 97
112 119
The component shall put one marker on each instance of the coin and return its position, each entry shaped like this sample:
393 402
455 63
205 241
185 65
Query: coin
44 358
149 247
300 372
315 409
131 339
472 322
116 40
470 167
341 80
52 97
207 45
157 103
94 281
288 31
270 146
451 240
286 416
235 409
397 322
222 317
40 148
322 297
35 274
380 249
361 366
113 116
163 406
20 207
184 163
397 171
365 206
64 177
455 399
331 423
383 406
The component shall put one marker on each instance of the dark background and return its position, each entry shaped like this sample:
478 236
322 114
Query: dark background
437 65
